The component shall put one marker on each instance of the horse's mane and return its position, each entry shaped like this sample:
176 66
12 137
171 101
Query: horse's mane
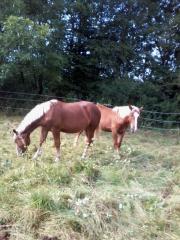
99 105
36 113
102 106
123 111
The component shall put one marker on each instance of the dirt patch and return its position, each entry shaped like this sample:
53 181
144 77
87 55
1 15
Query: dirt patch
48 238
4 235
167 190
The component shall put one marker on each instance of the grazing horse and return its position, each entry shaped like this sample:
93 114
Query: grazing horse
124 111
112 122
57 116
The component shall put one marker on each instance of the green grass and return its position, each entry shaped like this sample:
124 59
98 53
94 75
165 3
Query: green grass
134 196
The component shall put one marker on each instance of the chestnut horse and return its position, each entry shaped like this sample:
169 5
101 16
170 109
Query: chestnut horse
124 111
57 116
112 122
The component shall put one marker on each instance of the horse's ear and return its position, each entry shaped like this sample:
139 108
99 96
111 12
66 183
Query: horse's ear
130 107
141 108
14 131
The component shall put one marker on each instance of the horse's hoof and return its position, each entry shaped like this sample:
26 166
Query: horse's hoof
34 158
57 160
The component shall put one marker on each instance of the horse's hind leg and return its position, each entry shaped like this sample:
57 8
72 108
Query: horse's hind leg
119 140
57 143
76 138
43 136
89 139
97 133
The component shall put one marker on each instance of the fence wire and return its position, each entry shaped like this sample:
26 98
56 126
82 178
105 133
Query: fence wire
9 99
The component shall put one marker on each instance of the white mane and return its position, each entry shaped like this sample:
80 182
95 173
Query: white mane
123 111
37 112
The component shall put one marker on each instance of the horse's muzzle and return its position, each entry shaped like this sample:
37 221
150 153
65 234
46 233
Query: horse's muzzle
20 151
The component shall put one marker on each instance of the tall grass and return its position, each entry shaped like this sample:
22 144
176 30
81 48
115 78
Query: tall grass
134 195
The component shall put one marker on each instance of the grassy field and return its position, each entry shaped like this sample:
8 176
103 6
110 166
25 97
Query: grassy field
135 196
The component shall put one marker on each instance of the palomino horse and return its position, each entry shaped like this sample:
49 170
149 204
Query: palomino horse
57 116
112 122
124 111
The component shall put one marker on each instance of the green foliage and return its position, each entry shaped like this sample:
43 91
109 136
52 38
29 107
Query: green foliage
116 51
42 200
21 42
92 173
28 57
77 166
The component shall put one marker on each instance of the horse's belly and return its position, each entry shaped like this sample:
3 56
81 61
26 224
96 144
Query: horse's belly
105 128
73 127
71 130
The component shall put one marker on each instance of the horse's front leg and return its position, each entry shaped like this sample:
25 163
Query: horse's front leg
119 140
76 138
43 136
89 140
85 150
57 143
115 140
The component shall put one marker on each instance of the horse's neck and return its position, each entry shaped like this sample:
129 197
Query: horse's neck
127 120
29 129
122 111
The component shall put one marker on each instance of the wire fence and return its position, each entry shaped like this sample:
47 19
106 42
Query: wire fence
162 113
20 103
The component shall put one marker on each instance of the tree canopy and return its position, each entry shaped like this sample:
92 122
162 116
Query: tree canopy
107 50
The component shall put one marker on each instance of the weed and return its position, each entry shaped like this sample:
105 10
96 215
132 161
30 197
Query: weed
42 200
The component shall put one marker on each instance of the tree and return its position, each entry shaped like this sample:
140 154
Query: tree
31 47
22 52
118 51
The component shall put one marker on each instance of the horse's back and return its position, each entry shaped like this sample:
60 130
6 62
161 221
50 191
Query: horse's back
76 116
81 107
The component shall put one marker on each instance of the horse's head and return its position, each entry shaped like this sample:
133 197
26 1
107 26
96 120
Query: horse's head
22 141
135 113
